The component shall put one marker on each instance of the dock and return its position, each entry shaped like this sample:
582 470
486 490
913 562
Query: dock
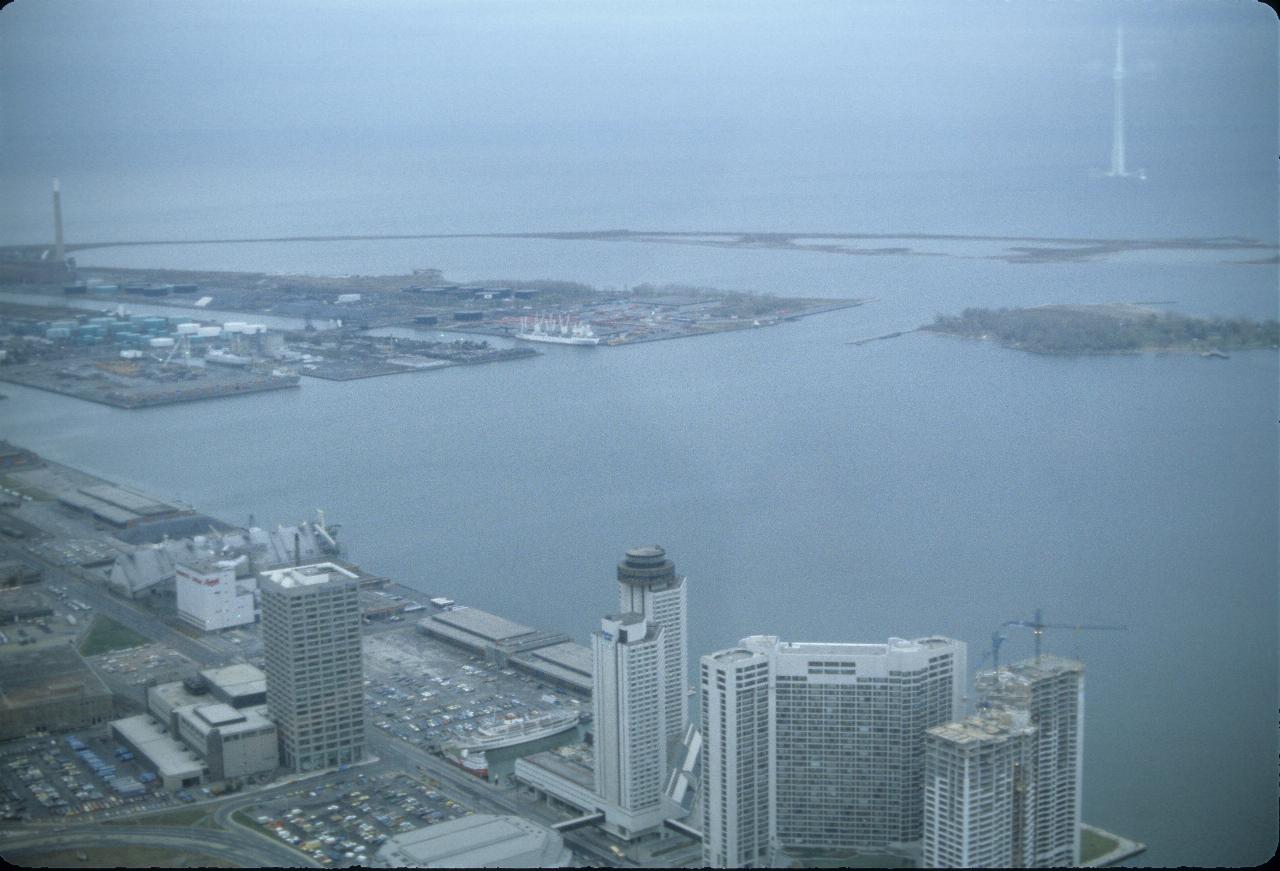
1102 849
879 338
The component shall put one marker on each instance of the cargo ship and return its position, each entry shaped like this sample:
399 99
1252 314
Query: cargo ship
559 331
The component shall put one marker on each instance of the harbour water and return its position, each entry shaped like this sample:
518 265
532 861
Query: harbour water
823 491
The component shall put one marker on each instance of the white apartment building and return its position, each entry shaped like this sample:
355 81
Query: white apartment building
315 676
735 761
848 738
979 793
210 597
1050 690
846 725
630 722
648 585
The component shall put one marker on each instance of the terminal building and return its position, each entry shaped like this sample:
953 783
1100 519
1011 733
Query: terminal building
546 654
119 507
476 841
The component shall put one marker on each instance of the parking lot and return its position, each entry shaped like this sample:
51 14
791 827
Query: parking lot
429 693
344 821
71 776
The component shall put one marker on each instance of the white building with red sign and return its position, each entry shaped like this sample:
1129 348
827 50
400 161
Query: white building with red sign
210 596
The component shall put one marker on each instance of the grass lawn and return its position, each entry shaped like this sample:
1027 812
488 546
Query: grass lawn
1093 845
106 635
182 817
122 857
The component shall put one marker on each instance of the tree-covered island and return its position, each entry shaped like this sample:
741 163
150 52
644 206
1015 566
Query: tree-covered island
1103 329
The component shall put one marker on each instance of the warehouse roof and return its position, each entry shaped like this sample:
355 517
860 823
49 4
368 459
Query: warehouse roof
477 841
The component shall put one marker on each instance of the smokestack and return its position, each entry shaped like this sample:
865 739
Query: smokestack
59 249
297 549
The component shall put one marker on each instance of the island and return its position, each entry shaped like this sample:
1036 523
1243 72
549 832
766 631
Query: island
1107 329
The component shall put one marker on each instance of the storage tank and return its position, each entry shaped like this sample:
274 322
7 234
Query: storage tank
234 327
162 342
188 329
208 332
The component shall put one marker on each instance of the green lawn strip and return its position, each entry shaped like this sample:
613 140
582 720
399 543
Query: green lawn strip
121 857
106 635
183 817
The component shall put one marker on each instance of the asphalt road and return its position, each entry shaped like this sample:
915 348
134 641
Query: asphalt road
257 852
102 602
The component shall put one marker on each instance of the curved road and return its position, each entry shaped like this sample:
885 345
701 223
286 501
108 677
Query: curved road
233 846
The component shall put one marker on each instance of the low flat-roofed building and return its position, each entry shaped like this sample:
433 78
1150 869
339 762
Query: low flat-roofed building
476 841
568 664
16 572
497 638
472 627
234 742
175 765
163 699
117 506
552 775
48 687
240 685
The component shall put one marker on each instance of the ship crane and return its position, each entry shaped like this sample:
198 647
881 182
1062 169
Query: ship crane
1037 627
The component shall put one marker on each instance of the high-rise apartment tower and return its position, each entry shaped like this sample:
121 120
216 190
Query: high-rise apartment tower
628 657
315 676
735 761
1049 690
648 585
979 792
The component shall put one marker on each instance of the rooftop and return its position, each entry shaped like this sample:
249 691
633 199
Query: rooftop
488 626
240 679
45 673
985 728
307 576
567 654
477 841
171 758
219 714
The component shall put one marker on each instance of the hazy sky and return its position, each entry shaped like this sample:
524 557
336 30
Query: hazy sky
559 90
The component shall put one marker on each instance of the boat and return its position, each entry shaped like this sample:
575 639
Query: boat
226 358
557 331
520 730
470 761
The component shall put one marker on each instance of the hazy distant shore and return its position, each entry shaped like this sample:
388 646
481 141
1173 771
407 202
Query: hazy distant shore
1044 249
1107 329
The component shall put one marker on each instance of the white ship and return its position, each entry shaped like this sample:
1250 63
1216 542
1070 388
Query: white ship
557 331
520 730
226 358
469 753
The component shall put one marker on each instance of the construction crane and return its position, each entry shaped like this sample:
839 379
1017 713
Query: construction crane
1037 626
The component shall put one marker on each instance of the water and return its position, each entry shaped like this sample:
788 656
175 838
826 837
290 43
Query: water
808 488
819 491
